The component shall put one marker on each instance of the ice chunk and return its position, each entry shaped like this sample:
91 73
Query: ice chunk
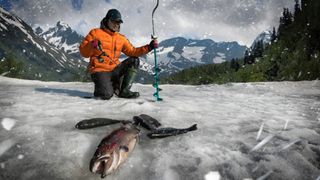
8 123
262 143
20 156
285 126
260 131
6 145
212 175
289 144
265 176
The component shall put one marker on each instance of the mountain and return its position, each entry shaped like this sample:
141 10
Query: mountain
24 54
264 37
62 37
180 53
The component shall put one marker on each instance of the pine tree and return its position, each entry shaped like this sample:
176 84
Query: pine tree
246 58
257 50
297 10
273 35
285 21
234 64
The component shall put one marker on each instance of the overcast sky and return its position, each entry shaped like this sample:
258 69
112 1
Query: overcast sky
219 20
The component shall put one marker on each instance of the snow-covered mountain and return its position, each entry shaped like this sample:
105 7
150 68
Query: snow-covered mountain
62 37
26 55
179 53
263 131
264 37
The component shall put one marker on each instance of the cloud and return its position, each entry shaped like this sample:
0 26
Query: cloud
220 20
77 4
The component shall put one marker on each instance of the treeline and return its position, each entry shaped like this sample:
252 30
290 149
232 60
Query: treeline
292 54
10 67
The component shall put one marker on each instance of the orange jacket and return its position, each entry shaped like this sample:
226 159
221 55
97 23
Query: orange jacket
113 44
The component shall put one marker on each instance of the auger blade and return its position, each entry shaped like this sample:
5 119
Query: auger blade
157 69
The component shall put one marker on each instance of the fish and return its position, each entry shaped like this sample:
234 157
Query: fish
97 122
114 150
166 132
146 121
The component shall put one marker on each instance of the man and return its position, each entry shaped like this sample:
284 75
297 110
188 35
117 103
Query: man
104 46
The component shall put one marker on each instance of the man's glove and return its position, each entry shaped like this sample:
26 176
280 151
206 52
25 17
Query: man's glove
153 44
95 44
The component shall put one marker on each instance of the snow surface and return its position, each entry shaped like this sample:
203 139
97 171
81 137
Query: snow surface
246 131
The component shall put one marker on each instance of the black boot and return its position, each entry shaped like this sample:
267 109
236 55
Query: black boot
127 83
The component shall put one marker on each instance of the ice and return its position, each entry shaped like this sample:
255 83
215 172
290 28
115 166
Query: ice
265 176
212 175
262 143
289 145
43 144
8 123
286 125
6 145
20 156
259 132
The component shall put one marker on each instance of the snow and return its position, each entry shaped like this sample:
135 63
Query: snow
43 143
8 123
5 145
193 53
212 176
218 60
144 66
3 27
162 55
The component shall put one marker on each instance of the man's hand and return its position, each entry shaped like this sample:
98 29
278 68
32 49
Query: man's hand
95 44
153 44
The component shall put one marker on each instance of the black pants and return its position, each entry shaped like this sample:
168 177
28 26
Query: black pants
107 83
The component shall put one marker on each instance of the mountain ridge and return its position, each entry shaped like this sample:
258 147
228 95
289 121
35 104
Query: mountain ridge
26 55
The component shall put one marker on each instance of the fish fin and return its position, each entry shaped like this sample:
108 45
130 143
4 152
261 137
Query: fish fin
138 121
150 119
125 148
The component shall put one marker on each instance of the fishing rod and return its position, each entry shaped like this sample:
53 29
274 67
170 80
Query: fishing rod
156 68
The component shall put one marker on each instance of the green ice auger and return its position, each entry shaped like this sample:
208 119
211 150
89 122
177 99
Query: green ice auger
156 68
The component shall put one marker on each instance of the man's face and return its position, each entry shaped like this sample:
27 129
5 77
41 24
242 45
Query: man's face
114 25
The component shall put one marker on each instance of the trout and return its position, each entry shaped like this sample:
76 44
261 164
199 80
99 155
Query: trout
114 149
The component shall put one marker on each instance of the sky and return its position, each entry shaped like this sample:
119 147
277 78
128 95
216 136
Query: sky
219 20
266 130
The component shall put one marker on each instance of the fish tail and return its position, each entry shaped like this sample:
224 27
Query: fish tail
193 127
